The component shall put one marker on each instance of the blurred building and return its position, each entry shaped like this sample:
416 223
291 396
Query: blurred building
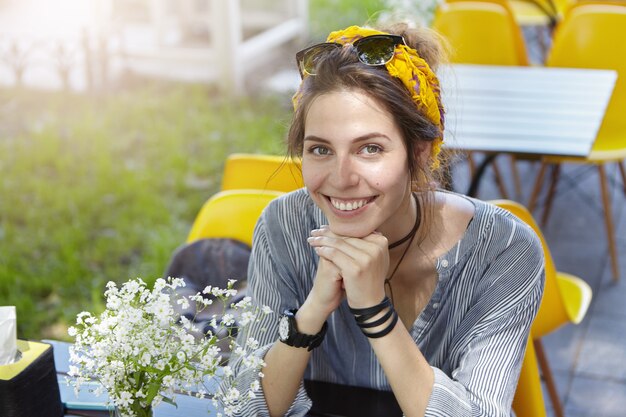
85 44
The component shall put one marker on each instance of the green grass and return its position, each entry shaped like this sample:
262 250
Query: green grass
329 15
105 188
99 189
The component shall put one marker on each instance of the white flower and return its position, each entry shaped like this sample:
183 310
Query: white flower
73 371
125 399
252 343
143 353
228 319
247 317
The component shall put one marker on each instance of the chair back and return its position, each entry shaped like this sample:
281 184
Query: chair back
231 214
261 172
539 12
528 400
552 311
481 32
591 36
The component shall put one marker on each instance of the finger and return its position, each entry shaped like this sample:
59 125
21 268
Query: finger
374 237
330 269
323 229
353 247
356 264
344 263
377 238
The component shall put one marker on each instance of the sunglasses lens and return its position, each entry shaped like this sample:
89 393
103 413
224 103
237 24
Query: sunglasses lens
309 58
375 50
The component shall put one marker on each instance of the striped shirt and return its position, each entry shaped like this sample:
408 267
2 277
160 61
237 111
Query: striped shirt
473 331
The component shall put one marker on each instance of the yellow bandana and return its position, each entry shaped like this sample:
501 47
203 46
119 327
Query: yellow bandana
414 73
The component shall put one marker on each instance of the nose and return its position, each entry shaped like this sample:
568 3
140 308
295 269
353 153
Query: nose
345 173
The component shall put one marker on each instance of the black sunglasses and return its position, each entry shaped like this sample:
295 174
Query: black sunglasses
374 50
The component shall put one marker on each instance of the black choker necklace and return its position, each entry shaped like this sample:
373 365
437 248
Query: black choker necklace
409 237
412 231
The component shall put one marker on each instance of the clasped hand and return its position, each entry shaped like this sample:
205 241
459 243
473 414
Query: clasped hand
354 267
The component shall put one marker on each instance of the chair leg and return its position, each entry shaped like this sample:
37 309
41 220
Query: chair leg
470 162
554 179
516 181
548 378
537 187
622 171
608 219
499 180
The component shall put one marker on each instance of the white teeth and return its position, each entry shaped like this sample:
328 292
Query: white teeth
349 206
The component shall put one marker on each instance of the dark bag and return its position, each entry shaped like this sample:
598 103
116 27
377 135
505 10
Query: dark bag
211 262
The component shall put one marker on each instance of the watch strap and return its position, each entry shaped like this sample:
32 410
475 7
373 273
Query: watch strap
302 340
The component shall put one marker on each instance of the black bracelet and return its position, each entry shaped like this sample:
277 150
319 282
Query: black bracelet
377 322
365 317
386 330
371 310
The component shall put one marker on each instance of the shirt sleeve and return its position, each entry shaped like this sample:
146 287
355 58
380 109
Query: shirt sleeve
493 346
270 285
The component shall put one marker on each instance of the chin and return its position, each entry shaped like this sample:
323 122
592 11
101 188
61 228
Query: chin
350 230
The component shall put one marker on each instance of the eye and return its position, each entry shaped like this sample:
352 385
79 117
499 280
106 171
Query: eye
372 149
319 150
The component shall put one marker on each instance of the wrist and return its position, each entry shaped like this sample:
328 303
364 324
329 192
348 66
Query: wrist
363 302
291 335
378 320
311 318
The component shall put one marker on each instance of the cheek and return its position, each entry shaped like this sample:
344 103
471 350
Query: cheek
312 177
388 176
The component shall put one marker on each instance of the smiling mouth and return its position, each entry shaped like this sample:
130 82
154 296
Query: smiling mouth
349 205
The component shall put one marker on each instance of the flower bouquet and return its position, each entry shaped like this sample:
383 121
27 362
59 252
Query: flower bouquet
143 353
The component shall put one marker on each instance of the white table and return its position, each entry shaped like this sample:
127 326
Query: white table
524 110
540 110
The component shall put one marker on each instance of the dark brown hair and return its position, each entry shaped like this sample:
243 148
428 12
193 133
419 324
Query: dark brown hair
340 70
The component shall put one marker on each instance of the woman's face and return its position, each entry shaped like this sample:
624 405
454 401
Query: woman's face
355 166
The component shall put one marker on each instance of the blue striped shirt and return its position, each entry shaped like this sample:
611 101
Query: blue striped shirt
473 331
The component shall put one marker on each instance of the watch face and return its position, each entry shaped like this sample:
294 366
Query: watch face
283 328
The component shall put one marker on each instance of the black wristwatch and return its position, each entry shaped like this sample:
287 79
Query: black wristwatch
288 332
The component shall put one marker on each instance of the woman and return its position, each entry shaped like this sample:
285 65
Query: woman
388 282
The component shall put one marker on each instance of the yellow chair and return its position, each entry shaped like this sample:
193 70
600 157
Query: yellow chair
528 400
483 32
540 16
586 38
539 12
262 172
231 214
566 299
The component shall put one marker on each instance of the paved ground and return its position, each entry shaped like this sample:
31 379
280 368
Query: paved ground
588 360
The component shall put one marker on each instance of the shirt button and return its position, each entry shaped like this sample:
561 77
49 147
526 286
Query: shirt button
435 305
444 263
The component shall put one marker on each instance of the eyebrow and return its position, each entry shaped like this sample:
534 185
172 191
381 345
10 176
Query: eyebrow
358 139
